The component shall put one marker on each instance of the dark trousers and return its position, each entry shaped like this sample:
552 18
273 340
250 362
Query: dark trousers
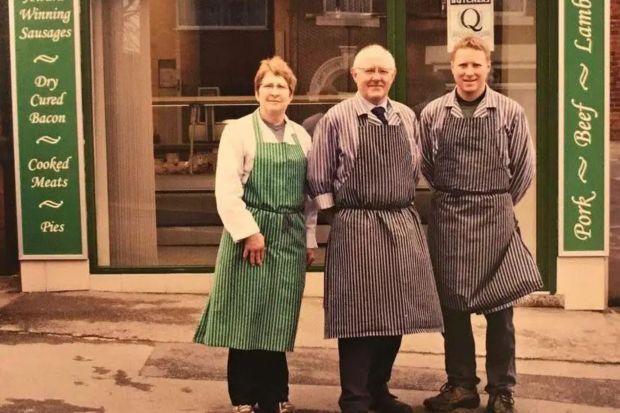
257 376
365 369
461 352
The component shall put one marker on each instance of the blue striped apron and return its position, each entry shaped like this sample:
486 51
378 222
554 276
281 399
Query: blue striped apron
378 275
480 261
257 307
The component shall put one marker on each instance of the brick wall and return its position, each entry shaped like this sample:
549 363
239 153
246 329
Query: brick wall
614 81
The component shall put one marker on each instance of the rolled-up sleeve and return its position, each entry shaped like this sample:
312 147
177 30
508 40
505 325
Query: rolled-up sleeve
236 218
522 160
323 163
428 146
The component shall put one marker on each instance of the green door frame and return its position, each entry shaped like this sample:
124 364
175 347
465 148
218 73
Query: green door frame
546 121
397 44
547 17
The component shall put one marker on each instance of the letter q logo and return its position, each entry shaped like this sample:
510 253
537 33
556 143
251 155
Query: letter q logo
471 19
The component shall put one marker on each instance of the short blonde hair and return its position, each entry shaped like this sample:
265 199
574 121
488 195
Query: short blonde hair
278 67
471 42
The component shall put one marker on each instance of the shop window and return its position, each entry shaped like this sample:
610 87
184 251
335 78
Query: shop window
518 7
220 15
162 96
347 6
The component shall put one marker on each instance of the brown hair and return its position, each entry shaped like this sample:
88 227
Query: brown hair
472 42
278 67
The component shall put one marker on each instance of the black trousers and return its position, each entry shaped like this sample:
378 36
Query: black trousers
365 370
461 351
257 376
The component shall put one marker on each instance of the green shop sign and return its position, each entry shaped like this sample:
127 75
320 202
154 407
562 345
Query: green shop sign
46 120
584 114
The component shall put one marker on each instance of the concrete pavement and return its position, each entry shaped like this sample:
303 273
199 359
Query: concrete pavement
120 352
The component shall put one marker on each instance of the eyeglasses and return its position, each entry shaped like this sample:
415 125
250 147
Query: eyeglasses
369 71
274 86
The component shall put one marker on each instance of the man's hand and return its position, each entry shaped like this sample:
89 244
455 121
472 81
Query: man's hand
254 249
309 256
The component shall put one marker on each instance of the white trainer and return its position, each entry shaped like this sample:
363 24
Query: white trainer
244 408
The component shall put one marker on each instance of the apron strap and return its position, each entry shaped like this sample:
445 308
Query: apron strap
259 136
257 133
294 135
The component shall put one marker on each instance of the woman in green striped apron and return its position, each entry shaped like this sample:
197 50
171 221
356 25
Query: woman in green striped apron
267 243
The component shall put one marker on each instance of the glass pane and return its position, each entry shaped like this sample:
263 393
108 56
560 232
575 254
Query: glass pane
513 68
222 14
163 94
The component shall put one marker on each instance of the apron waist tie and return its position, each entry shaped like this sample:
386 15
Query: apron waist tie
287 216
386 208
465 192
285 212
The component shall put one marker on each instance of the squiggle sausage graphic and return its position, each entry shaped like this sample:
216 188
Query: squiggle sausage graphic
48 139
45 59
51 204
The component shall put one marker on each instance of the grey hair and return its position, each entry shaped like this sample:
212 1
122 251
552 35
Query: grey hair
376 49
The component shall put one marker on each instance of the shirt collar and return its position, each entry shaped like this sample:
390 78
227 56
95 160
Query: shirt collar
489 100
262 122
264 126
363 107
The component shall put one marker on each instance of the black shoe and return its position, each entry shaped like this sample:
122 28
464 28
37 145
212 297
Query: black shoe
452 397
390 404
501 402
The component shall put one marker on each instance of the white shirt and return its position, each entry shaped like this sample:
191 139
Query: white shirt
235 160
370 106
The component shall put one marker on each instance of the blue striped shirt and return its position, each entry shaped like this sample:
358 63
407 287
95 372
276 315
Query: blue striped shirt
514 140
336 141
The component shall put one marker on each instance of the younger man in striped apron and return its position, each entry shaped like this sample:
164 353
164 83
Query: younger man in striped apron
478 158
378 275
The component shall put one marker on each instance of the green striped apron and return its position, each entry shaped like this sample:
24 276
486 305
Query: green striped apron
257 308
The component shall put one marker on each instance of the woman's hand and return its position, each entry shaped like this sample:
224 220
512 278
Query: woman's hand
309 256
254 249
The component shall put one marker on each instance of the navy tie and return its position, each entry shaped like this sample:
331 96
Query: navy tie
379 112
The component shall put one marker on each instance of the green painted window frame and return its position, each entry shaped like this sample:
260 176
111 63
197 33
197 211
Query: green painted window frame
547 18
546 126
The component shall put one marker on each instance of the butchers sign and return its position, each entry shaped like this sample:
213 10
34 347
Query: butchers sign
584 67
46 120
470 18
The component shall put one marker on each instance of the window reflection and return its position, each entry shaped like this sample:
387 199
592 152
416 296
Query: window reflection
160 210
131 26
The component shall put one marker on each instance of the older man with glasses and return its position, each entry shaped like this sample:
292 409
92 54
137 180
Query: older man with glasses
379 284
